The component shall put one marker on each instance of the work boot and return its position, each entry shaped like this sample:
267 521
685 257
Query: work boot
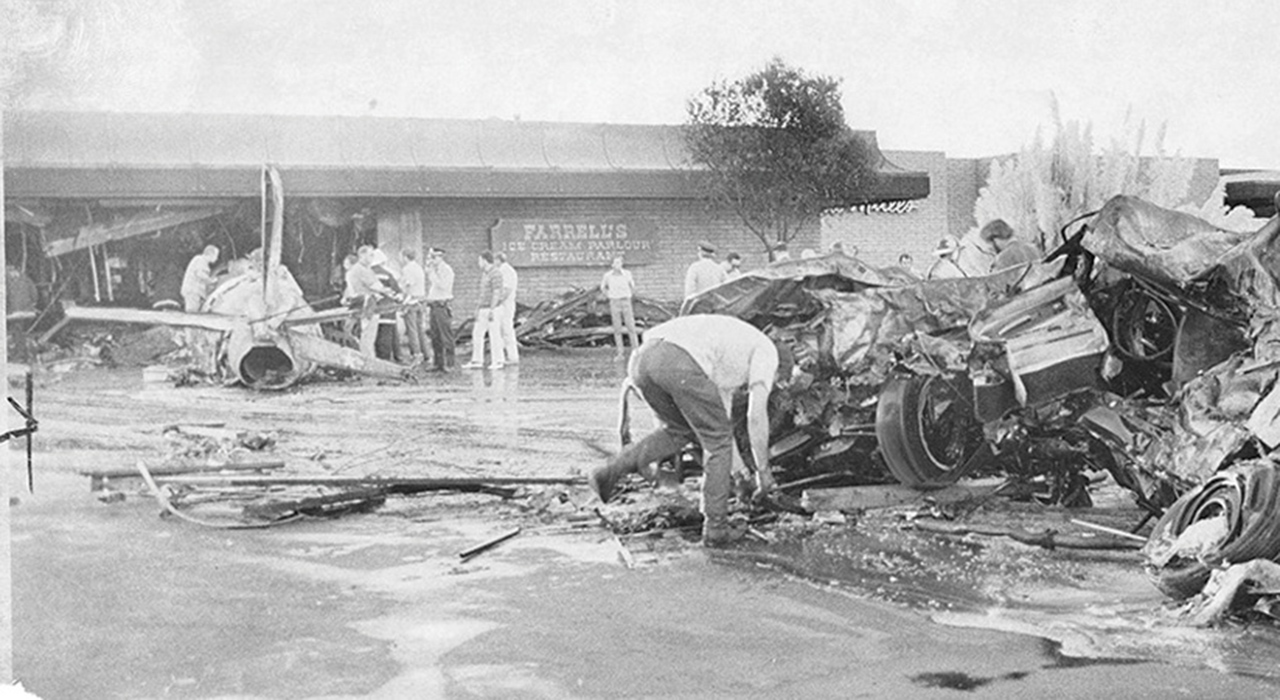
718 532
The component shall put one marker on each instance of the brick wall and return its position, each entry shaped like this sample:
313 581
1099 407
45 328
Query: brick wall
461 227
881 237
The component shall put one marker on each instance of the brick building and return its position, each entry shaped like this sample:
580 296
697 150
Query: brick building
127 197
108 207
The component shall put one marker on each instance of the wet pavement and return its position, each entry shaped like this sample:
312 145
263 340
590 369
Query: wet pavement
111 600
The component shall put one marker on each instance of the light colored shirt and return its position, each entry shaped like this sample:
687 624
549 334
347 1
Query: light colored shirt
1016 253
944 269
362 282
732 352
509 279
976 255
197 278
618 284
490 288
703 274
440 277
413 279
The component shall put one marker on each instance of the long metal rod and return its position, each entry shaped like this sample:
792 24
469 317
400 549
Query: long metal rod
410 482
31 480
483 546
93 265
106 268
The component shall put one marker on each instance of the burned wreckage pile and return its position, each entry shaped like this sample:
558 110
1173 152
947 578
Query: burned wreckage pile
1146 347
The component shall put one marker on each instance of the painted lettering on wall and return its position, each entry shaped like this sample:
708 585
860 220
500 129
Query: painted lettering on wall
552 243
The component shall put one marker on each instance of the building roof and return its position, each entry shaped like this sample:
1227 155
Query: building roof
150 155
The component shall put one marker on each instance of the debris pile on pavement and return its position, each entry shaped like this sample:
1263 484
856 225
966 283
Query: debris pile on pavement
1145 351
580 317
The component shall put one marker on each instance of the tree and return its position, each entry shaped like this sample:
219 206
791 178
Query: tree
775 149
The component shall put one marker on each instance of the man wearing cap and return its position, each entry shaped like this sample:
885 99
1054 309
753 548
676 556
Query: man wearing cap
945 266
704 273
688 370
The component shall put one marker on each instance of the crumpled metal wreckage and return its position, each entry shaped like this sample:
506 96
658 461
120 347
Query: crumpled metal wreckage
1146 346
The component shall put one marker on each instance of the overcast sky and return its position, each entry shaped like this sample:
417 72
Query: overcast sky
966 77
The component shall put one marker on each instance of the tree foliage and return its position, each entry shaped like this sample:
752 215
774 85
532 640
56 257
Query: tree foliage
776 150
1044 186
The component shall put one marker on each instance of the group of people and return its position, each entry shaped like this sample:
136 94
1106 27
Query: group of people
425 293
706 272
496 314
992 248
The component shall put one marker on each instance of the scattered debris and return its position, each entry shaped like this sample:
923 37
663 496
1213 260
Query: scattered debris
1048 538
580 317
100 479
1233 518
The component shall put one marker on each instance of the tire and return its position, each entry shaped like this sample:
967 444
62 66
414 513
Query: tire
1248 494
927 430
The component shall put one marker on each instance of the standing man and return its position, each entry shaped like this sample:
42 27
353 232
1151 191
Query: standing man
415 288
688 370
486 315
507 309
439 296
363 289
945 266
198 279
619 288
704 273
733 266
387 345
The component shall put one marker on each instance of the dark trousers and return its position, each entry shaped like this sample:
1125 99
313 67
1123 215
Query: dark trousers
443 344
687 404
387 344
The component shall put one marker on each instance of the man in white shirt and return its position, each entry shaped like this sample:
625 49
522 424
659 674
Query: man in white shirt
506 311
619 288
413 282
198 279
704 273
439 298
688 370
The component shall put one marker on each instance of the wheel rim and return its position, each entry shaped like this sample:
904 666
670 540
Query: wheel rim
942 423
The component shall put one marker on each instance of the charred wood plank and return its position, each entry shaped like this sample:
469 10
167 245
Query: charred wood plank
359 500
870 497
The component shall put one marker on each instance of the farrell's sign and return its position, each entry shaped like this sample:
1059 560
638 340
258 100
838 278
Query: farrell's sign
566 242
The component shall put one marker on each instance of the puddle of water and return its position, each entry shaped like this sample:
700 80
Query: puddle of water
1088 610
956 680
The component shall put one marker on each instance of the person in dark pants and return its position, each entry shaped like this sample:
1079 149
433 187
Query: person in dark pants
439 297
688 370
